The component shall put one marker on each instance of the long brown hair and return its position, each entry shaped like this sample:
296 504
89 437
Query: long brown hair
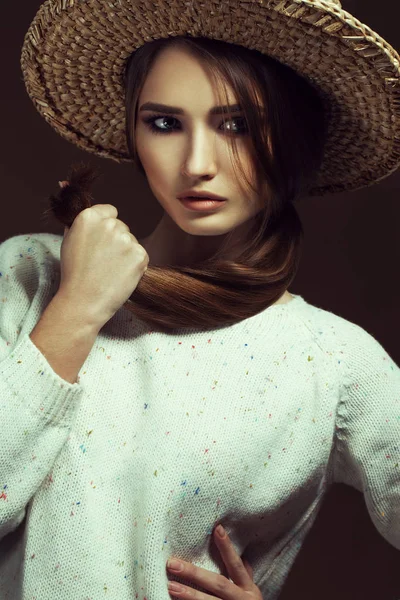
286 146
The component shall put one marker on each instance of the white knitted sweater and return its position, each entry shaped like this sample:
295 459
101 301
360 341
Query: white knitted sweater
167 434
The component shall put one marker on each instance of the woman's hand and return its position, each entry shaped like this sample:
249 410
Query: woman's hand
241 573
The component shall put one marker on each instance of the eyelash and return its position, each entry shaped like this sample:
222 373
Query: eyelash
154 129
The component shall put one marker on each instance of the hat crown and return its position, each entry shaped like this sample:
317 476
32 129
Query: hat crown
337 2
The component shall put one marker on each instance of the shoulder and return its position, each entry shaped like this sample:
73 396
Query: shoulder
29 251
29 278
356 352
29 271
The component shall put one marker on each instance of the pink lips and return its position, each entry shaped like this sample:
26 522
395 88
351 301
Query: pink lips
202 204
199 198
200 195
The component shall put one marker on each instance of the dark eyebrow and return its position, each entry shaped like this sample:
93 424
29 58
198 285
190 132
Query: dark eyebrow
175 110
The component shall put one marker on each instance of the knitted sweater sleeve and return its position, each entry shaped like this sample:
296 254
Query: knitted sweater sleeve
367 449
36 405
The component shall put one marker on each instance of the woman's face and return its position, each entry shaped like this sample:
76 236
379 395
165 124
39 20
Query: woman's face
193 152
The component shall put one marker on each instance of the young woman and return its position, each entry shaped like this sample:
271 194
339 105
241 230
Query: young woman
217 397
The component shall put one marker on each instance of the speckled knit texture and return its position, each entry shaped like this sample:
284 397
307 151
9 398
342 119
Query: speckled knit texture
164 435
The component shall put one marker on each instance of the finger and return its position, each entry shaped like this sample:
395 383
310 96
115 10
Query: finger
236 568
248 566
213 582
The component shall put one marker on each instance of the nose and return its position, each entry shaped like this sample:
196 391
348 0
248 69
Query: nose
200 155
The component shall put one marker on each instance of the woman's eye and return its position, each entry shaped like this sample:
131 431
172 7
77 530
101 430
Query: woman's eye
150 122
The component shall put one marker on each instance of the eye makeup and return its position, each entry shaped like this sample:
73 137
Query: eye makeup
150 123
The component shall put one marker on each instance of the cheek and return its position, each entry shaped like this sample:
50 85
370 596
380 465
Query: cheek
162 173
145 147
155 160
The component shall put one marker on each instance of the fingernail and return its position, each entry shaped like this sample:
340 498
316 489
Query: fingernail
220 531
174 587
176 565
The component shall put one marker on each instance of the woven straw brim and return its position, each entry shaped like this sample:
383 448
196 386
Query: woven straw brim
75 51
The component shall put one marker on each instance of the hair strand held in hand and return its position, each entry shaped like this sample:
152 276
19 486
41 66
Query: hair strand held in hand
75 197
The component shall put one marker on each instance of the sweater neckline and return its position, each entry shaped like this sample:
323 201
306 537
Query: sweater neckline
274 312
296 298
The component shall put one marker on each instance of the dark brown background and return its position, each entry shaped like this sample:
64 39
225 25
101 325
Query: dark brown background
349 266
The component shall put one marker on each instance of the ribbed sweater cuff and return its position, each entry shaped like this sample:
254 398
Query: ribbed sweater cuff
36 387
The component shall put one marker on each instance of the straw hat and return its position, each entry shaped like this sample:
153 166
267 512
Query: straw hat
75 51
